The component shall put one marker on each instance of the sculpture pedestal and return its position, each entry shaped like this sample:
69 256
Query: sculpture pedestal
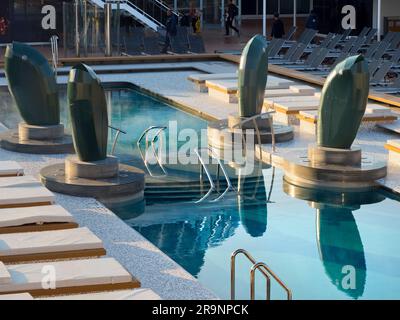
225 134
37 140
106 180
336 169
32 132
103 169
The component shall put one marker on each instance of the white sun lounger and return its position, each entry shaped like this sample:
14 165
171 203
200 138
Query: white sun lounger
10 168
23 191
136 294
65 277
297 90
16 296
199 80
227 90
38 218
394 127
50 245
374 114
393 146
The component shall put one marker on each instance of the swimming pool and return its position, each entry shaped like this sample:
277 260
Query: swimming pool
313 246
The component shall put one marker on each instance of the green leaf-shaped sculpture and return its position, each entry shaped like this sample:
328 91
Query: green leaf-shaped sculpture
341 250
32 84
253 76
88 110
343 103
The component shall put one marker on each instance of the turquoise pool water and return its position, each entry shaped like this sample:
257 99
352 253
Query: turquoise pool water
316 247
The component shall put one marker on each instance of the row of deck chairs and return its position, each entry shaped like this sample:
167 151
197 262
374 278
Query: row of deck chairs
139 42
383 57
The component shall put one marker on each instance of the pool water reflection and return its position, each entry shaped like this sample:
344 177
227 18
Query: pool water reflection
322 245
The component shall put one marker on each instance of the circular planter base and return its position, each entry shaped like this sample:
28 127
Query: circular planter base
126 186
334 169
10 141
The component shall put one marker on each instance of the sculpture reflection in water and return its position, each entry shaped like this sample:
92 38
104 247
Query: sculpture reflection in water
338 239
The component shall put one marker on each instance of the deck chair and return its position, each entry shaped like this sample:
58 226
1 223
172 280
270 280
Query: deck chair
327 40
318 60
380 52
38 218
290 33
297 53
364 32
151 44
393 88
345 34
196 43
381 73
334 42
50 245
303 35
10 168
23 191
275 47
73 277
370 36
395 41
371 50
373 67
310 62
357 45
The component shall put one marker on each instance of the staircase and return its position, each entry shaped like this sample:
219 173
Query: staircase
150 13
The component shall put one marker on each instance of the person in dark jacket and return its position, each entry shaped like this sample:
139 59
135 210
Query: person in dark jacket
278 29
231 13
171 29
312 21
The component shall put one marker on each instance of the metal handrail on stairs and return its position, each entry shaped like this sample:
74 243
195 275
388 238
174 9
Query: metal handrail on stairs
265 271
204 168
118 132
145 133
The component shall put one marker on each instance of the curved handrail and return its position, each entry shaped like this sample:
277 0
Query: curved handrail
212 185
54 52
264 266
220 165
233 272
143 156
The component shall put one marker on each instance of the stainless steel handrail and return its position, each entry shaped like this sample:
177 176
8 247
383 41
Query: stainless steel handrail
212 185
263 268
143 156
258 266
54 52
119 131
233 272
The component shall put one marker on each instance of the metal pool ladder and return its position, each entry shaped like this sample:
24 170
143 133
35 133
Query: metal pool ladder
203 168
265 271
145 134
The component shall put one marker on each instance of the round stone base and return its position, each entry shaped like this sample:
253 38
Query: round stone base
31 132
234 120
346 157
10 140
301 171
128 185
75 168
220 136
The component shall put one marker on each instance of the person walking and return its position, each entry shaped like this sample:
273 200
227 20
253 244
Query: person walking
232 12
171 30
312 21
278 29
